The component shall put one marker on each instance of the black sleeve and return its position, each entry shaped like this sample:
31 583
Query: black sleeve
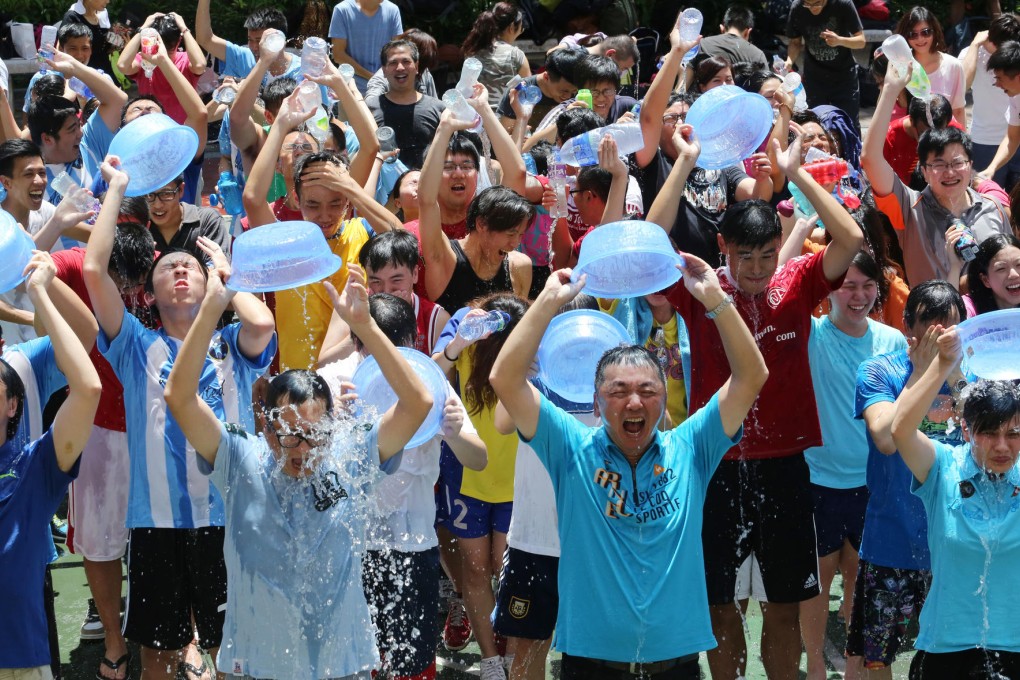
794 25
849 19
504 109
734 174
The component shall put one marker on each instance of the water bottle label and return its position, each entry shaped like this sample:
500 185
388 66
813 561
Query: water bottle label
586 152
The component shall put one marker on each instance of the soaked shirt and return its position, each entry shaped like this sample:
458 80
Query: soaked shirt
975 547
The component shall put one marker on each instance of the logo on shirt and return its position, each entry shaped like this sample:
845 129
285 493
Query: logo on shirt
328 491
617 502
518 607
657 470
11 475
775 296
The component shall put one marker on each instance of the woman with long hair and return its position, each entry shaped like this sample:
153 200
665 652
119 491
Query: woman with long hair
490 42
708 72
923 32
993 276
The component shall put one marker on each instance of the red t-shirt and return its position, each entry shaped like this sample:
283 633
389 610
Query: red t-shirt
425 313
900 149
784 418
457 230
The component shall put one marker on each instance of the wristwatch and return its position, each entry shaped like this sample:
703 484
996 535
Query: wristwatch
717 310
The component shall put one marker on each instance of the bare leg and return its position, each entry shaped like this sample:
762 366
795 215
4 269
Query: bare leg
449 557
160 664
849 557
814 615
105 580
780 640
729 660
529 659
476 565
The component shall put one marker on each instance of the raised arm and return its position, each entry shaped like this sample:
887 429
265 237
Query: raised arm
72 425
209 41
362 122
847 237
915 448
654 104
245 133
509 376
876 167
65 219
667 202
197 117
503 148
106 301
73 310
111 97
338 179
196 419
196 59
610 161
402 420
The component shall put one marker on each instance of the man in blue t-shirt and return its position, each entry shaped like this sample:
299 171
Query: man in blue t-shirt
359 29
893 574
627 492
34 478
240 59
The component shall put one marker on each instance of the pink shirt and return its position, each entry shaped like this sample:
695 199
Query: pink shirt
160 88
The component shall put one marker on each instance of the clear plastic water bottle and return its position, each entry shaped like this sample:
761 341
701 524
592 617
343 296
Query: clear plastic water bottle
966 245
529 163
690 23
318 125
583 150
557 174
528 95
313 57
309 96
80 88
792 83
65 185
226 94
346 72
387 141
456 102
3 194
150 46
778 66
230 193
898 52
468 77
275 42
47 39
636 109
473 328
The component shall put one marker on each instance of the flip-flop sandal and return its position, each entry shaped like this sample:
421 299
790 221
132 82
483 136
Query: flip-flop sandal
186 670
114 666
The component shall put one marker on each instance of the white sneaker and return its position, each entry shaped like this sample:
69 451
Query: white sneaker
92 627
508 662
492 669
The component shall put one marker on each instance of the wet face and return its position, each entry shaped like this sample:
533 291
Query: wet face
921 38
1007 83
814 137
295 435
631 401
408 196
400 70
80 49
1003 277
921 327
178 279
602 97
723 77
772 89
165 205
996 450
752 267
141 107
501 241
64 147
948 173
589 206
460 179
323 206
27 183
254 38
854 300
295 145
673 116
396 280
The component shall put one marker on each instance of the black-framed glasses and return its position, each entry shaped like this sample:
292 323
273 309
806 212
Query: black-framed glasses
941 166
164 195
604 92
923 33
466 166
292 441
673 118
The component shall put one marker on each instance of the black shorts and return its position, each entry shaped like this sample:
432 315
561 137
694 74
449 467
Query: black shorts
759 524
174 574
886 600
528 595
402 589
970 664
839 516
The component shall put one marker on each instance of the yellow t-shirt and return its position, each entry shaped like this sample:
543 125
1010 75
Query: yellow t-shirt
303 313
494 484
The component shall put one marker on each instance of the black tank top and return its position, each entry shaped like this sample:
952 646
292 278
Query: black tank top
465 285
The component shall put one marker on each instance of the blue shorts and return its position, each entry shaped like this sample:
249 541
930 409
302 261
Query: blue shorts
839 516
467 517
528 596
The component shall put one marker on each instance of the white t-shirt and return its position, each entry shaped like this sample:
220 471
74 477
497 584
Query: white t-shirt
989 116
948 80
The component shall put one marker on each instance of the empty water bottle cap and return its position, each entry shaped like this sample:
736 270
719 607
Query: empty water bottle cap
990 344
15 251
280 256
153 151
346 71
571 348
730 124
627 259
373 390
276 41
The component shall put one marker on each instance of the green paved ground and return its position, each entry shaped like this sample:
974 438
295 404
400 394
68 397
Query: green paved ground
80 659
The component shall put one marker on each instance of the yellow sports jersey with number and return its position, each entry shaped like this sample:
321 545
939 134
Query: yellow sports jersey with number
303 313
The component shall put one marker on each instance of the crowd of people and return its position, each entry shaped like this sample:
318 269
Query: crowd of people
793 408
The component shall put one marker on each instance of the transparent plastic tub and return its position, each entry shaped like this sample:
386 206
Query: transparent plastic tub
153 151
730 124
991 343
15 251
571 348
280 256
627 259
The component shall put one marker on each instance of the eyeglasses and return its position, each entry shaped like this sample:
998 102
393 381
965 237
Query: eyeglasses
923 33
466 166
292 441
604 92
672 118
304 148
164 196
938 167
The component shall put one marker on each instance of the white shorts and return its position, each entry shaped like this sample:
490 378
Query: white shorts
37 673
98 499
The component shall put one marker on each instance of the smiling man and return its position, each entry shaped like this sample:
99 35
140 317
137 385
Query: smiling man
630 489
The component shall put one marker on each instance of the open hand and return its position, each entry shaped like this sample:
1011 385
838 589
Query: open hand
701 281
560 289
352 304
112 172
788 160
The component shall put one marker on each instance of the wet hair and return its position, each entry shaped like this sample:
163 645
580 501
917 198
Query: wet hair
466 143
276 91
395 193
168 31
1006 58
597 70
489 25
706 68
541 152
149 288
91 106
265 18
15 390
384 53
582 301
932 302
935 140
878 230
51 83
47 116
750 78
941 111
738 17
133 209
1003 28
917 15
502 209
809 116
627 355
990 404
301 165
752 223
394 317
428 48
866 264
478 393
133 252
980 294
12 150
296 386
72 29
596 180
563 64
623 44
677 97
137 98
398 248
574 122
